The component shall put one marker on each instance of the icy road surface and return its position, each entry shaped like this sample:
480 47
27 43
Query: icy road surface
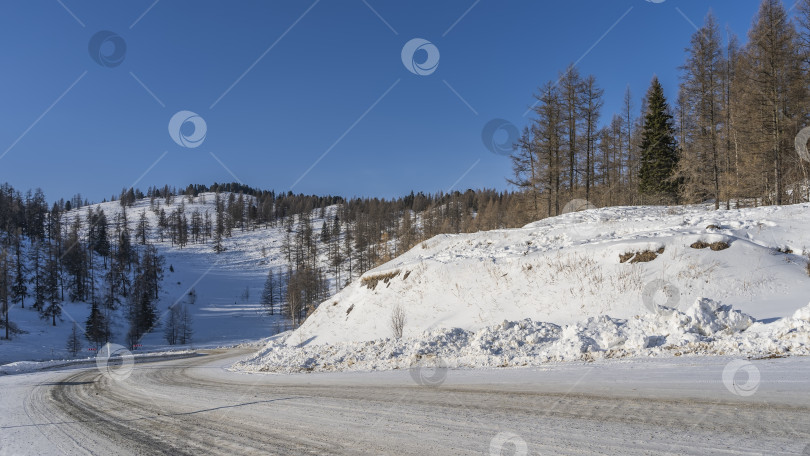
196 406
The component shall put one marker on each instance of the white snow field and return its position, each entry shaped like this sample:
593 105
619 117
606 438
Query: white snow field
556 290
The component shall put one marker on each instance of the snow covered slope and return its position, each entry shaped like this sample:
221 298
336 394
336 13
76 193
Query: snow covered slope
224 314
565 269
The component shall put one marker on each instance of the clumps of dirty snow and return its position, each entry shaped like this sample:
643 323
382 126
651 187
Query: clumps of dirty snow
705 327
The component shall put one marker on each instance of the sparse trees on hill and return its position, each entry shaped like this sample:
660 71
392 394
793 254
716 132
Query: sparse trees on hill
59 258
355 236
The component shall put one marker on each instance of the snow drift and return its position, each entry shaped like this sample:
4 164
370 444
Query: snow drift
706 327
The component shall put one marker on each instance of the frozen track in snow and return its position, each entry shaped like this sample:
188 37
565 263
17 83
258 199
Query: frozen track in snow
193 406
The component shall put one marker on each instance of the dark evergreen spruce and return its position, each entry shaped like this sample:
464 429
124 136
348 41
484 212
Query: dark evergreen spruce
659 153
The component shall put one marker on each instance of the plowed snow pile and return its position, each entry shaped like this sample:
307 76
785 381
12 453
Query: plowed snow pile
614 282
705 328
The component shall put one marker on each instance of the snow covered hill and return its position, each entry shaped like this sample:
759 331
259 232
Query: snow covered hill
625 263
228 286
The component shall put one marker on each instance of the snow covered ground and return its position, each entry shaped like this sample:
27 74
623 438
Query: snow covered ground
672 406
557 290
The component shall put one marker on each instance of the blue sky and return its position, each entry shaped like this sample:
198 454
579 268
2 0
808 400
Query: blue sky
281 83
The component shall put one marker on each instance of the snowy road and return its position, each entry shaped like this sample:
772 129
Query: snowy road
195 406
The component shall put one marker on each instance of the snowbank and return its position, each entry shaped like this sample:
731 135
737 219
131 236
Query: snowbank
24 367
705 327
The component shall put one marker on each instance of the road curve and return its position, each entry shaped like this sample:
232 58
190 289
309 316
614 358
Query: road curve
192 406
